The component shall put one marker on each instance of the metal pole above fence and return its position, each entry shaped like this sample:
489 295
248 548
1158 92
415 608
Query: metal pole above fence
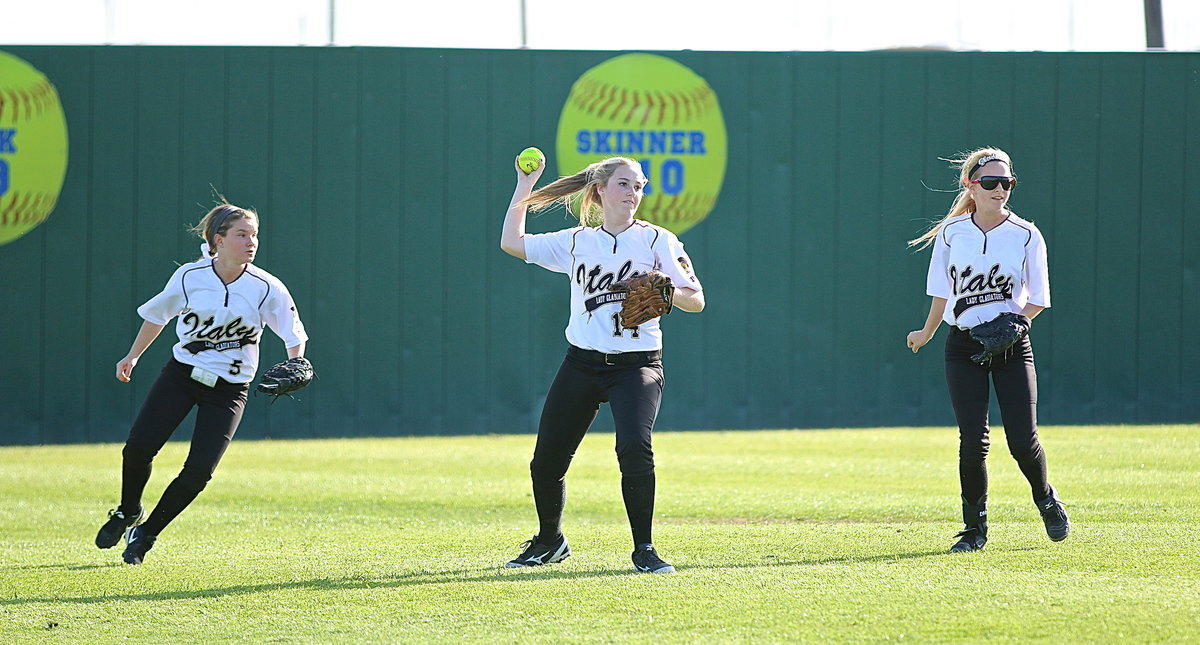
524 31
332 17
1154 24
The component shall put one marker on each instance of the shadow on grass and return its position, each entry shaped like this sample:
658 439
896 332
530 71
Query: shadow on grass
455 576
60 567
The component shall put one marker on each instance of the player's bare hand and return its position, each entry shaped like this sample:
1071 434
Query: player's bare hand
125 368
917 339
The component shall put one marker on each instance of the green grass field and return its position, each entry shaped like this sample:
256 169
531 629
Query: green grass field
778 536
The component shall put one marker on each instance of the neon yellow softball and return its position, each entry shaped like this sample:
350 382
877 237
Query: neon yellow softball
530 159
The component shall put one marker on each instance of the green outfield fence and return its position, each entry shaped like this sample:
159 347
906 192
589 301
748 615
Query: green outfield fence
382 176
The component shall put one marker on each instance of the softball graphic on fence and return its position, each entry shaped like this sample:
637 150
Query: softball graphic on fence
656 110
33 147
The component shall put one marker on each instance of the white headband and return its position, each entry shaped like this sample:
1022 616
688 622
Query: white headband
983 162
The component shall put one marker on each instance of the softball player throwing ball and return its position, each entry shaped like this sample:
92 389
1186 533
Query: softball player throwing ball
222 302
989 265
605 361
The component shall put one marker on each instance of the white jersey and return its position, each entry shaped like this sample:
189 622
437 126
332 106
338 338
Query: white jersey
982 275
220 324
594 259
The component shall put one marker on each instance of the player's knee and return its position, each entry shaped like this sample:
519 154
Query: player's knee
543 469
194 479
636 461
1026 451
973 452
637 469
138 453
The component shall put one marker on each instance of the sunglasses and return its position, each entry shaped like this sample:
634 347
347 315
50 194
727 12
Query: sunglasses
989 182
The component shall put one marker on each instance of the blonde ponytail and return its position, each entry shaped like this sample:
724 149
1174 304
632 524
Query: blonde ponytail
584 186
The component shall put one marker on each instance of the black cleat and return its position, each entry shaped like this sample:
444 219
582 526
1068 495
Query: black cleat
109 534
970 539
137 543
646 560
536 553
1054 516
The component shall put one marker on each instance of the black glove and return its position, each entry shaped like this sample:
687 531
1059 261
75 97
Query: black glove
287 377
998 334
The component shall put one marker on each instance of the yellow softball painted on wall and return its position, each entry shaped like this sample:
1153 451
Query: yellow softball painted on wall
33 147
658 111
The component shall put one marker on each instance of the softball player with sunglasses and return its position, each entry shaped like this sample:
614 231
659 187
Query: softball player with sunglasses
987 262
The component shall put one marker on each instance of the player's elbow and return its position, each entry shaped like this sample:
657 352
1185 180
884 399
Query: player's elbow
515 248
692 302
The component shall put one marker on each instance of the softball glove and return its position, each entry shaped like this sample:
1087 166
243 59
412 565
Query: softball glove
287 377
647 297
998 334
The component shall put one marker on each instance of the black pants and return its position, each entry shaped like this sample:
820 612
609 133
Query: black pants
1015 381
171 398
633 389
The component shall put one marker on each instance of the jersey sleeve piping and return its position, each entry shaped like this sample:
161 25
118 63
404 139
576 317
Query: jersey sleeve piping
574 240
957 219
266 283
1028 230
183 284
657 230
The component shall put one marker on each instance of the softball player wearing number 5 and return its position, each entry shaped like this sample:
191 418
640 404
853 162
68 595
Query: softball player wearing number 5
605 362
222 302
987 263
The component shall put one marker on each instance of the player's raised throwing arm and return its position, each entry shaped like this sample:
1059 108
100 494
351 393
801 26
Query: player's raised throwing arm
512 236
